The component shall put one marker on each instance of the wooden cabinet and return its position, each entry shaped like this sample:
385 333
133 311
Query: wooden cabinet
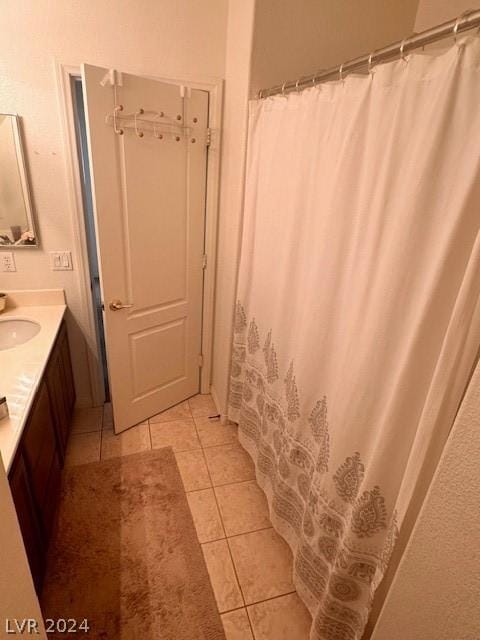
39 443
28 517
36 470
60 388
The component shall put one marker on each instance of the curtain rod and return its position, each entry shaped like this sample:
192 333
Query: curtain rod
467 20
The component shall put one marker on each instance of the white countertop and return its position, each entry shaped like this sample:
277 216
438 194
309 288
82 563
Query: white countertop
22 367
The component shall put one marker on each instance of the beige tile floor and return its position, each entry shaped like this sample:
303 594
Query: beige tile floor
250 565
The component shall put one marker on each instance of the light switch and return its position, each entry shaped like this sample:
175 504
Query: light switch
7 261
61 260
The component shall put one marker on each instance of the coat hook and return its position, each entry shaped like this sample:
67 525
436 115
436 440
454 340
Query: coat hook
137 131
118 131
157 135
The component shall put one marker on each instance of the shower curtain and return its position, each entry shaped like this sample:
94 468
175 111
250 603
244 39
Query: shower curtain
358 315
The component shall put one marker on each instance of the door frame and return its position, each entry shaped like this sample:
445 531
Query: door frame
214 87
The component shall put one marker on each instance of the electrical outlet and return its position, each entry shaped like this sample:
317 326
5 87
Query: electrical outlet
61 260
7 261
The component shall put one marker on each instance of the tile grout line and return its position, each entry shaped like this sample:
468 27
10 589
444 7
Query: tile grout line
250 622
211 487
235 535
228 544
253 604
228 548
150 435
245 533
101 433
240 587
226 539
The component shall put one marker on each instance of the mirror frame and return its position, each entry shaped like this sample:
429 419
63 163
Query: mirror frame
27 196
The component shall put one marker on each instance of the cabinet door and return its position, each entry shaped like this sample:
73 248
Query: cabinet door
39 444
49 506
28 519
56 389
60 388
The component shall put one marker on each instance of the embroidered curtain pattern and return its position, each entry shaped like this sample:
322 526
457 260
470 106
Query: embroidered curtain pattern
357 321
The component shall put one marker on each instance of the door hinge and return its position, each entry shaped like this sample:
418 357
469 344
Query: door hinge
200 360
208 137
204 261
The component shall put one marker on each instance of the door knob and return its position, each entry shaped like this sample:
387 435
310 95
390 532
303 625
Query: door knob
116 305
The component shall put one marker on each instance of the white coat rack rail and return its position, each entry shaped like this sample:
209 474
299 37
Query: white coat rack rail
157 124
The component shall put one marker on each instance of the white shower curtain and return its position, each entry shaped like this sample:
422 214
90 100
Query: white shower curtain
358 312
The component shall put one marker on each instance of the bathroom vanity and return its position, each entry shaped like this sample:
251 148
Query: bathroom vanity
33 439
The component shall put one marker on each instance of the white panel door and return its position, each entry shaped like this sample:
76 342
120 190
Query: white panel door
149 202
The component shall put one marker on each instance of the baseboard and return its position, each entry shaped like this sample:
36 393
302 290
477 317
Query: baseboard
221 410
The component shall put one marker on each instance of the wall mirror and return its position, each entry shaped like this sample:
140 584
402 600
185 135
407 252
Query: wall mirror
16 216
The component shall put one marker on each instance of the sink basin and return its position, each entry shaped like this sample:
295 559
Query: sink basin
15 331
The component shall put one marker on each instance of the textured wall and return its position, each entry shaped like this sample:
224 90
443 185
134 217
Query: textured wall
162 38
435 594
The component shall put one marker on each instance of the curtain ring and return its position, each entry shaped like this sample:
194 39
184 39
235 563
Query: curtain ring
296 85
283 87
457 24
313 81
340 72
260 94
118 131
137 131
370 58
402 47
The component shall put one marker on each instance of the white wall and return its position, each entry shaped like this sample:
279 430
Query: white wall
433 12
161 37
237 87
295 38
435 594
17 594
